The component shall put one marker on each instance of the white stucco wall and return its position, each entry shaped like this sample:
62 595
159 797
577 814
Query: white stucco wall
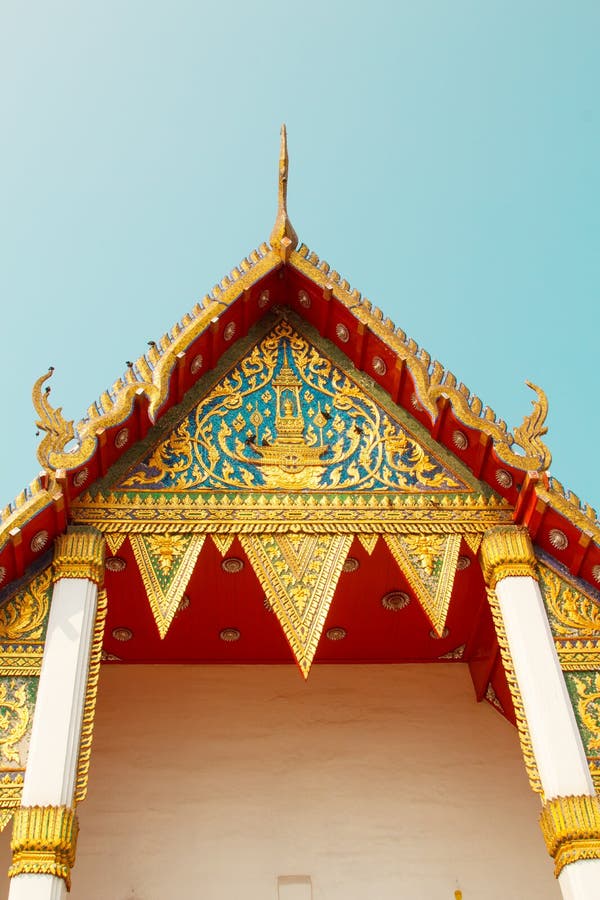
378 782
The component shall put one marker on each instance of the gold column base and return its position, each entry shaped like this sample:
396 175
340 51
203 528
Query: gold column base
571 829
44 842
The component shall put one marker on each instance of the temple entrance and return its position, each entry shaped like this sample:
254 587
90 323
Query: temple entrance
374 781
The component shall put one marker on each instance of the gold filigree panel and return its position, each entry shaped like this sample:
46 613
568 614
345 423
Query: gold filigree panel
23 623
24 617
287 418
574 615
299 574
428 561
166 562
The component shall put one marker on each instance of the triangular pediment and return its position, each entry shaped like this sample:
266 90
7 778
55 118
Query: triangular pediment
288 417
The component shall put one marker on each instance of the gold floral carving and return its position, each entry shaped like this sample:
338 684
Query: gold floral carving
166 562
429 564
114 542
571 829
587 686
44 842
506 551
299 574
573 613
23 617
89 708
14 718
287 418
511 678
79 554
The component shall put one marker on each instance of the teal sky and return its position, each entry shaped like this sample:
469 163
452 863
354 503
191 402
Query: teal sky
444 157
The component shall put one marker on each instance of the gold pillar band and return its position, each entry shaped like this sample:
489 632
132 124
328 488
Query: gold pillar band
571 829
44 841
507 551
79 554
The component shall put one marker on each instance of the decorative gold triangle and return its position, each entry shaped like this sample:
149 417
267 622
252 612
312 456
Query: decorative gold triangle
166 562
368 541
222 542
473 540
115 542
299 574
5 817
428 561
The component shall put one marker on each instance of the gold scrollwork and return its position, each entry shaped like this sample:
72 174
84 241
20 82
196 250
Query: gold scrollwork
572 611
587 686
44 841
14 718
23 617
571 829
287 418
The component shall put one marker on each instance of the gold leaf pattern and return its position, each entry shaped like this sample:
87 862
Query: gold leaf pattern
571 611
23 618
299 574
587 686
429 564
14 718
256 429
166 562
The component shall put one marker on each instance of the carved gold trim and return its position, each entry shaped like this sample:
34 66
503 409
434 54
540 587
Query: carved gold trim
79 554
22 659
515 692
432 380
507 551
11 788
245 513
91 692
571 829
578 655
44 842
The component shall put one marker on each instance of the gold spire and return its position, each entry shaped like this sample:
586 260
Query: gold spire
283 237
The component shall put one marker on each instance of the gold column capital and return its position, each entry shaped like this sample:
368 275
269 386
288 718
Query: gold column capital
44 841
506 550
571 829
79 554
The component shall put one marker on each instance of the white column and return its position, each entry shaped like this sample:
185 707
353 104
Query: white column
54 746
559 753
510 568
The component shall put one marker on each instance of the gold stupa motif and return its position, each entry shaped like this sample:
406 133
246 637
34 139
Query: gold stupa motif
289 457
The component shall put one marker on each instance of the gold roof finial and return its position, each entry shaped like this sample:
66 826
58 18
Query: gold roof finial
283 237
